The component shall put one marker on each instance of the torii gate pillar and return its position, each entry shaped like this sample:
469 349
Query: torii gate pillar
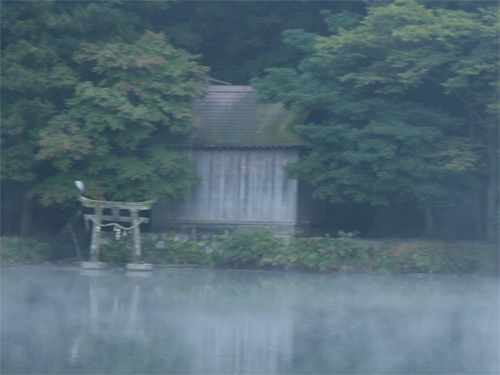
97 218
96 236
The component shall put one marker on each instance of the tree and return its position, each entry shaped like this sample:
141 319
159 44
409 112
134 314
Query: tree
38 72
239 39
140 89
50 92
380 92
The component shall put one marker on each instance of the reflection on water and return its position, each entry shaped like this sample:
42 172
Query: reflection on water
63 321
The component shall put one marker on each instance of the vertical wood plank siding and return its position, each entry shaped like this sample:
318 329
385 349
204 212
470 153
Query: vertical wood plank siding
239 185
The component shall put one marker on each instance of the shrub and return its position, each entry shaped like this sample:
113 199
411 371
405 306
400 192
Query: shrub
394 257
247 249
116 252
21 249
436 257
165 250
174 251
307 254
324 254
473 258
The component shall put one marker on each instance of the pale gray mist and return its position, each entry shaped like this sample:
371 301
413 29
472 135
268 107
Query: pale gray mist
57 320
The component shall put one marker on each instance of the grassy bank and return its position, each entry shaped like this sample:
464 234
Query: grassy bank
261 250
17 249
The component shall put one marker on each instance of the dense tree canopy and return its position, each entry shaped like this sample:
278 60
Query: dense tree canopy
140 89
239 39
85 87
402 96
381 91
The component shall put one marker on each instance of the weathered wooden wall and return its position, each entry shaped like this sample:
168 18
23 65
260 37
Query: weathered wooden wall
240 185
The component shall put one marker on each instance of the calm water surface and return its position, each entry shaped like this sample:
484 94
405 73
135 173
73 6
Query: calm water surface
68 321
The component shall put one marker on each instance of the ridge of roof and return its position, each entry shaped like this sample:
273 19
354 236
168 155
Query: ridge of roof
231 88
200 146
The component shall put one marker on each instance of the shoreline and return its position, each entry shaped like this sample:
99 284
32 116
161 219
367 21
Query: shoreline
76 266
260 250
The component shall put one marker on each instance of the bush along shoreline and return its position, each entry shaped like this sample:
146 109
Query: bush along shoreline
262 250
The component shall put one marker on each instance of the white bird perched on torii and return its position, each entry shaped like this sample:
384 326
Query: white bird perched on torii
79 185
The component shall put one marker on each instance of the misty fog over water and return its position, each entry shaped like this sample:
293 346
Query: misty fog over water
62 320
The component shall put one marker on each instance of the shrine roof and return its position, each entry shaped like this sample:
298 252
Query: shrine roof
235 116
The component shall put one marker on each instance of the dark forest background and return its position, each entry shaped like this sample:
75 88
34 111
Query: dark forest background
401 101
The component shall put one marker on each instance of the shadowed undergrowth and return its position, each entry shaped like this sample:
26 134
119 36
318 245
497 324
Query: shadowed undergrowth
262 250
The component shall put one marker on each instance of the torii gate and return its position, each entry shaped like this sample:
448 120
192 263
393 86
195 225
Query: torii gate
97 218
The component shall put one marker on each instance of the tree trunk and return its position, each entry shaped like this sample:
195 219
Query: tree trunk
429 221
478 206
26 215
7 219
11 208
379 225
492 194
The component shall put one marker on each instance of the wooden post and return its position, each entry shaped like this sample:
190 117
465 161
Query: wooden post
96 236
136 256
134 219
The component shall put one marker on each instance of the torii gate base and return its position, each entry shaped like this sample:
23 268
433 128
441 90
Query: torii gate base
94 265
139 266
134 219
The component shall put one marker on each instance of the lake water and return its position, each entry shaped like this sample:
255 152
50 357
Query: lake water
62 320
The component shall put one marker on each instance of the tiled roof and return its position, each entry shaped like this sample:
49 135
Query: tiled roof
232 116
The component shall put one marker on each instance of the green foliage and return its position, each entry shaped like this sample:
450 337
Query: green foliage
116 252
402 104
375 151
246 249
38 73
239 39
261 249
164 251
20 122
23 250
171 250
323 254
436 257
141 88
88 94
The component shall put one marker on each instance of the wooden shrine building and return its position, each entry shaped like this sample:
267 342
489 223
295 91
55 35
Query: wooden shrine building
240 151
